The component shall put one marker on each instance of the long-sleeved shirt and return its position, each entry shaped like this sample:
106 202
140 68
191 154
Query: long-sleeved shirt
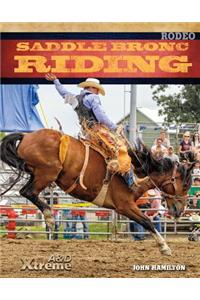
91 101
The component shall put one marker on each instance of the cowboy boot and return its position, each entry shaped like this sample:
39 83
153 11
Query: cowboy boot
138 182
133 181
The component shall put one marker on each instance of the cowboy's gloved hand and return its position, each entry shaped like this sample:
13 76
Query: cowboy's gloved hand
50 77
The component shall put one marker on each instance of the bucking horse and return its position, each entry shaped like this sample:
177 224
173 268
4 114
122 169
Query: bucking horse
80 170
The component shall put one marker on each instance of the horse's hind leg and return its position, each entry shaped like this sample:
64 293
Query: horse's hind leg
27 192
38 182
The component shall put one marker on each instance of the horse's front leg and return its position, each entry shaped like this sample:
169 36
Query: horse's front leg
131 210
163 247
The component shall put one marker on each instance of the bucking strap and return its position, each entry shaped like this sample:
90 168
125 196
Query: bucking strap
100 198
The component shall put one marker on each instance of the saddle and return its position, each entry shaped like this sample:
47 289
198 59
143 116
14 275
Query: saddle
111 145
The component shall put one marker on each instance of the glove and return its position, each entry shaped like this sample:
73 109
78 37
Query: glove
50 77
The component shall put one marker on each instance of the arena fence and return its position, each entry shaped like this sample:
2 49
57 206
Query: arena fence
116 226
19 218
113 231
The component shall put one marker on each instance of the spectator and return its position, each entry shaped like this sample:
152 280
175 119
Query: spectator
196 145
67 225
185 149
143 203
158 150
194 192
194 236
165 139
171 155
79 216
154 214
185 163
47 197
196 169
196 140
197 154
196 181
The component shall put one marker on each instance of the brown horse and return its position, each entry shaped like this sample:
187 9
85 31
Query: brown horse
37 153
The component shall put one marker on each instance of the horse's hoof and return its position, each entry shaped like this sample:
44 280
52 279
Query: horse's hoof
49 220
165 250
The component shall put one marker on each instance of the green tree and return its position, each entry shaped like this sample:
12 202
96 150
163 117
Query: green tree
2 134
182 106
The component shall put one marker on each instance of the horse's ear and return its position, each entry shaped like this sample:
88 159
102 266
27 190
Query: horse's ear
141 146
190 167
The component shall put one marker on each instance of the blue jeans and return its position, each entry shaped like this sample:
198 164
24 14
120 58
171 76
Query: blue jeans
157 225
85 226
135 227
67 225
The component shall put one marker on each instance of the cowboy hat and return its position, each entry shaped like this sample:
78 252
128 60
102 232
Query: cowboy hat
92 82
151 193
194 218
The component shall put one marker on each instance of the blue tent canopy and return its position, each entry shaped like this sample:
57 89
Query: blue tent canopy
17 108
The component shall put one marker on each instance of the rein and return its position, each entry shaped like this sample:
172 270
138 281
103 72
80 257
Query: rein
172 181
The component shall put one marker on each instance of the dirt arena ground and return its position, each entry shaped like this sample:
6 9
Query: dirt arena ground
98 258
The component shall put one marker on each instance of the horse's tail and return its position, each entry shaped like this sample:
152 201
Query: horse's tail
60 126
8 151
9 155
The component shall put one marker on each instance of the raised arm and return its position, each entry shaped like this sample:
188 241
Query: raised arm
69 97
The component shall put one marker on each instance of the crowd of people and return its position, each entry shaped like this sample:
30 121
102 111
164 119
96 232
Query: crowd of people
189 151
189 147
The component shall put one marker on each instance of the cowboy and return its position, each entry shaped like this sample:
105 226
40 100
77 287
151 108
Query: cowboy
88 108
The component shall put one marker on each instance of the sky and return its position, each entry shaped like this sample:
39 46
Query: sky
116 104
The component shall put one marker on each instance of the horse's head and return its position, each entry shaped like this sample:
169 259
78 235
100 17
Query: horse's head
175 188
172 179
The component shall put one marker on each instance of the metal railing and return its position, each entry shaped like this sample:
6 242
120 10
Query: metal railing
113 222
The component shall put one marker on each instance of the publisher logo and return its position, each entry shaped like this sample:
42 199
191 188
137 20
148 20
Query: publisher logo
54 263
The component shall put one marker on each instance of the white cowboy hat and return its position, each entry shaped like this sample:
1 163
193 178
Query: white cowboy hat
92 82
151 193
195 218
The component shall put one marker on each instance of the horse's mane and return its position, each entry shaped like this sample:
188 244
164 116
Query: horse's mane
145 164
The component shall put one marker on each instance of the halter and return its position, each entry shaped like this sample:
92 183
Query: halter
172 181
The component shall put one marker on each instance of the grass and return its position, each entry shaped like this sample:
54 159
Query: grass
92 228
